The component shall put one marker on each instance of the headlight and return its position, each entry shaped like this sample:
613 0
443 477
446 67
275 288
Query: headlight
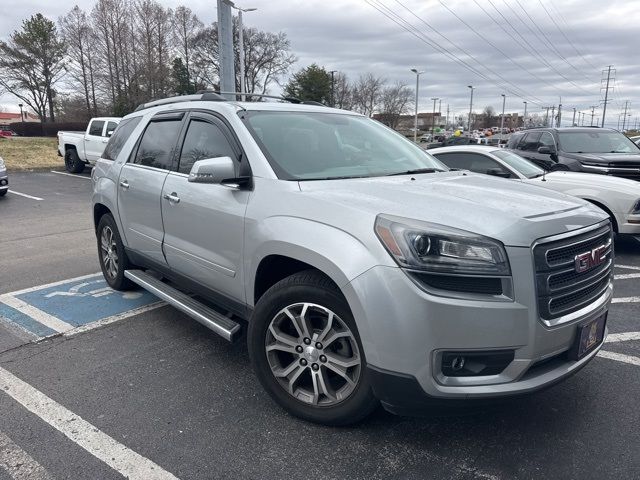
436 248
1 162
636 208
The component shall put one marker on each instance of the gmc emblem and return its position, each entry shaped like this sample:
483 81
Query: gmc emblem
588 260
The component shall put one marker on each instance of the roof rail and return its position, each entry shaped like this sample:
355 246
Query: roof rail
202 95
277 97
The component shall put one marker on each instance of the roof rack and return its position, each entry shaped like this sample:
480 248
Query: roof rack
260 95
204 95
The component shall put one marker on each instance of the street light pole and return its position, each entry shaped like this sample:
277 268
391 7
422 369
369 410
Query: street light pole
470 106
241 44
504 99
524 117
415 123
433 118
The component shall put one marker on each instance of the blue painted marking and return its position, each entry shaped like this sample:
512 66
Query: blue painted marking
25 321
79 302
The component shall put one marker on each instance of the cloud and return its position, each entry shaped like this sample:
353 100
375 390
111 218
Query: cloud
352 36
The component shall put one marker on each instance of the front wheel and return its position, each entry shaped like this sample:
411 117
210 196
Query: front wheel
72 162
306 351
111 254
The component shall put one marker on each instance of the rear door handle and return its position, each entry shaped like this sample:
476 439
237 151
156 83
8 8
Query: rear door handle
124 184
172 197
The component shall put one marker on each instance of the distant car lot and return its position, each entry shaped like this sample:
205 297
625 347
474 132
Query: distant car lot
183 399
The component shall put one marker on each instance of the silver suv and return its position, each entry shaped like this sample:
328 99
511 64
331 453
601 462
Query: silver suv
363 269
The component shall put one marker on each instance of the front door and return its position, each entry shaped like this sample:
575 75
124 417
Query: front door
140 186
204 223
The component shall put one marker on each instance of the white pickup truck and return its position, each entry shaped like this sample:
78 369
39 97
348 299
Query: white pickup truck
82 148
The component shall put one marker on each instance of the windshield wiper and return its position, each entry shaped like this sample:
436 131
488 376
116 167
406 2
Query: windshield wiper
417 170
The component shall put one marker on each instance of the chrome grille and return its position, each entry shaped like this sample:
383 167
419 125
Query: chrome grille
561 288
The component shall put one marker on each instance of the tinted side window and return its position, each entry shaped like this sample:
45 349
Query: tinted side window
203 140
530 142
119 137
96 128
546 140
111 126
470 161
157 144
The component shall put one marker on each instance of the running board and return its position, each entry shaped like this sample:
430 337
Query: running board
223 326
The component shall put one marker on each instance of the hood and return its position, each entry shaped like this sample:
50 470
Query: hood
512 212
605 158
593 181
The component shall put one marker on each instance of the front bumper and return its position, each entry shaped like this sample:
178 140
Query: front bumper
4 180
630 224
404 330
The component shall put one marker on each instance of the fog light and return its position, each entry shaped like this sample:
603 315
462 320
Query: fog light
3 182
475 364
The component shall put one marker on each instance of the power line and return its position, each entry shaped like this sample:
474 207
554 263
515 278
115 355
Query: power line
380 7
562 31
528 43
548 42
531 47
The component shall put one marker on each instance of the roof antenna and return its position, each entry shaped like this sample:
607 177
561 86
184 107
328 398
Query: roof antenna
544 175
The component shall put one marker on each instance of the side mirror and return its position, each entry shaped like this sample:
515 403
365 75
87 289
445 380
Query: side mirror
547 150
212 170
498 172
109 133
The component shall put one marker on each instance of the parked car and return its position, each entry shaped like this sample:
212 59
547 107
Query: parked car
84 148
364 270
591 150
7 133
424 138
4 178
461 140
635 139
618 197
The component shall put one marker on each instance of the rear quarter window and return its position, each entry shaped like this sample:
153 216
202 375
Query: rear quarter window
120 136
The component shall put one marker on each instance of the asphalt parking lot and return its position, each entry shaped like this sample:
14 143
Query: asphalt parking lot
99 384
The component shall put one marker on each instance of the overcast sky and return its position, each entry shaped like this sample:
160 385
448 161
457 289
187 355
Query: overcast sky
519 48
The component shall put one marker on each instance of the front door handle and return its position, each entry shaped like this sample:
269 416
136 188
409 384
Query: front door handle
124 184
172 197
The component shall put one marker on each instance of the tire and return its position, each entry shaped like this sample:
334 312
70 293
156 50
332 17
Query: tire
72 162
318 392
111 254
3 192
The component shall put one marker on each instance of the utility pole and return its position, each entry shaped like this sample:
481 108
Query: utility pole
573 122
433 118
624 118
470 105
606 95
504 99
593 108
553 116
546 117
524 117
225 49
559 122
446 124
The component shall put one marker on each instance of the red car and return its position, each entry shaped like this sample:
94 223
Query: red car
6 133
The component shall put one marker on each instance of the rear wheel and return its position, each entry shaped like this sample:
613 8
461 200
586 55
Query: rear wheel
111 254
72 161
306 351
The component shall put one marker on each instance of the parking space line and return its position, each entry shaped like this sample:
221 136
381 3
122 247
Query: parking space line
25 195
18 463
116 455
626 276
49 285
626 300
38 315
622 337
619 357
630 267
71 175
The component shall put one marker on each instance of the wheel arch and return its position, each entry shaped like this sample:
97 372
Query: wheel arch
614 221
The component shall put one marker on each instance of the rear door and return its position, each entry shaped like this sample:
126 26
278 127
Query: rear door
93 145
140 185
204 223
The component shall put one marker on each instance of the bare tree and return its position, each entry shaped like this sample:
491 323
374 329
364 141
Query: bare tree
186 26
31 64
78 34
342 92
267 57
395 100
366 93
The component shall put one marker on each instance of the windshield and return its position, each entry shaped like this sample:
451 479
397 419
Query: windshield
519 164
314 146
595 142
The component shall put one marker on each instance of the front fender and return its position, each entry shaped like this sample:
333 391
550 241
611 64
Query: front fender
336 253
